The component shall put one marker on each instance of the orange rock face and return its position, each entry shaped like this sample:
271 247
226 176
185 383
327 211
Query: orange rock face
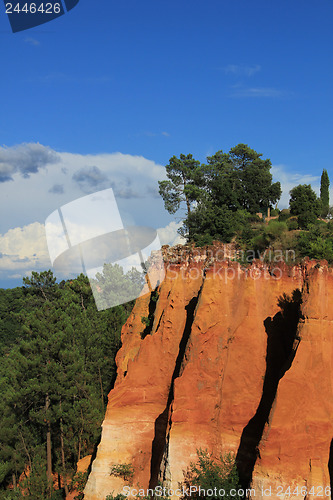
296 446
230 359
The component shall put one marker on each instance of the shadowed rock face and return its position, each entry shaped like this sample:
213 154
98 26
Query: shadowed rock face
234 360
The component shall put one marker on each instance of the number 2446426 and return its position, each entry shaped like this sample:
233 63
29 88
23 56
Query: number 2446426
32 8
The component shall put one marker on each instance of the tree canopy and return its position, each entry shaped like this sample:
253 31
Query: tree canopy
220 195
304 203
57 368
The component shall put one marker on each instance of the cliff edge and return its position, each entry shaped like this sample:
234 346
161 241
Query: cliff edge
227 358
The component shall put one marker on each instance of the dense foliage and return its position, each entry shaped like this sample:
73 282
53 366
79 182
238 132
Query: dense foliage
217 478
305 204
220 196
224 197
57 366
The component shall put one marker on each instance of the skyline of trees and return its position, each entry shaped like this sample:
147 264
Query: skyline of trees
219 196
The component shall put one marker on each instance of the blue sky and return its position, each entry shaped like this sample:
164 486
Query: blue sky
150 80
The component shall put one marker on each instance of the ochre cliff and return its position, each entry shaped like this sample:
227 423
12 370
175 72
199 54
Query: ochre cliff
234 359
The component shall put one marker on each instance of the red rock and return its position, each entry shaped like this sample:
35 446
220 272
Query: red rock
218 376
295 447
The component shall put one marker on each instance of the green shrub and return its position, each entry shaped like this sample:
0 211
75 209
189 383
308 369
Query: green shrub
145 320
306 219
126 471
292 224
275 228
209 474
259 242
11 495
316 246
36 483
78 483
284 215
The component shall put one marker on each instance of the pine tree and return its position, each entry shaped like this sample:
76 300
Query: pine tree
55 380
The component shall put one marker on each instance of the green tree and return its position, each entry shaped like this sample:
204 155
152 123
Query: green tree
222 182
238 181
305 204
256 191
43 283
114 285
317 243
183 185
324 193
11 302
209 222
55 380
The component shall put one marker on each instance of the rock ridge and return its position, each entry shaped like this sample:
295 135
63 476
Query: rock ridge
237 358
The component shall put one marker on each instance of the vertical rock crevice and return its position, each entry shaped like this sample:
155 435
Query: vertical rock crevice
163 421
149 321
282 344
330 465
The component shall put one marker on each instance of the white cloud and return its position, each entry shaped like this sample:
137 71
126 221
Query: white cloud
169 234
260 92
289 180
26 159
57 189
36 181
32 41
241 69
31 172
149 133
23 249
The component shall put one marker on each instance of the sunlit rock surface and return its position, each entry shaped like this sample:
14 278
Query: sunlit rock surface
229 358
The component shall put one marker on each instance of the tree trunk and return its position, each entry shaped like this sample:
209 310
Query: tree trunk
48 444
79 447
101 384
63 455
188 204
26 450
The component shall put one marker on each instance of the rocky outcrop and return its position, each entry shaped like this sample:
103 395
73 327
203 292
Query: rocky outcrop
232 358
296 446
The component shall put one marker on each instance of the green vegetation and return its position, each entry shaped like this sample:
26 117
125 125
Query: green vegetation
78 483
126 471
223 198
220 476
116 497
305 204
114 286
57 366
324 193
